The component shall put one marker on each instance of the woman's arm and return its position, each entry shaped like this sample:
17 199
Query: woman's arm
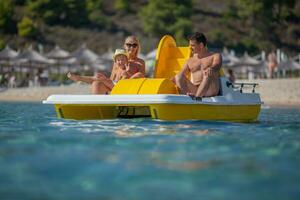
141 70
142 67
137 75
113 72
125 75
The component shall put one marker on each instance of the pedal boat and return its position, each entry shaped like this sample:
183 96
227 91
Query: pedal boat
158 97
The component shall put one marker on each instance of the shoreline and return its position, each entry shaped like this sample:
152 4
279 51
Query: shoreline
274 92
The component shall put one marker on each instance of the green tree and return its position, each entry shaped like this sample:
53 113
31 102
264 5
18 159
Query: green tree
19 2
259 21
27 28
122 5
261 13
161 17
2 45
53 12
95 13
6 13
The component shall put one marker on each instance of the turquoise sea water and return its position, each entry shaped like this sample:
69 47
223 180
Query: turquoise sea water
43 157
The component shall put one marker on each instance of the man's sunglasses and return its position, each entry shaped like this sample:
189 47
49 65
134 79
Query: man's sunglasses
134 45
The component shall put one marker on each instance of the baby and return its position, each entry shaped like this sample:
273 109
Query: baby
100 84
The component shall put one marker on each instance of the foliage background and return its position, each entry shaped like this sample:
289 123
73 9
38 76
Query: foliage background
251 25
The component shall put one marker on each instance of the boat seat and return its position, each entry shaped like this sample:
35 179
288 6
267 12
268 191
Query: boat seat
144 86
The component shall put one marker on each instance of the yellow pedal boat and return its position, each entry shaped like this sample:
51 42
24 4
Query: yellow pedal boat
158 97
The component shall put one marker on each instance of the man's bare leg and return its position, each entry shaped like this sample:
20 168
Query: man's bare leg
210 86
185 85
203 87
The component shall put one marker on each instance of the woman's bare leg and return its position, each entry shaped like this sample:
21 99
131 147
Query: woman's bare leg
76 78
99 87
107 81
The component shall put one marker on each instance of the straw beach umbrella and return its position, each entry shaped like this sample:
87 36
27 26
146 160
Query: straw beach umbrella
105 61
289 65
6 55
58 53
228 58
61 57
250 66
85 55
108 55
33 60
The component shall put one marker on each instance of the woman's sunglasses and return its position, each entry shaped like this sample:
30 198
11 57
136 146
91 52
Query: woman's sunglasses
134 45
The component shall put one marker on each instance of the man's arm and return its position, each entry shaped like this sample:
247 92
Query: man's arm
217 62
180 79
184 70
215 66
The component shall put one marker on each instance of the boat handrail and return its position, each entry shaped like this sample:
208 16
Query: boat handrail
241 86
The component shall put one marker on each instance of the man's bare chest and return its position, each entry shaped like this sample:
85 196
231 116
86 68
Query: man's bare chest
199 64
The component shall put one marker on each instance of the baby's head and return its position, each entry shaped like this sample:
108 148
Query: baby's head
121 58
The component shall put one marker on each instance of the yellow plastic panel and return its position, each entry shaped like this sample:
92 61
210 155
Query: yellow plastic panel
163 53
170 58
85 112
128 86
145 86
158 86
221 72
238 113
185 52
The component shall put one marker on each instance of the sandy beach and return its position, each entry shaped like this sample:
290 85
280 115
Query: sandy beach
281 92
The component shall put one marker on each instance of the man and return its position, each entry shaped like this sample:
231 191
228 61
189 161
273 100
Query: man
204 68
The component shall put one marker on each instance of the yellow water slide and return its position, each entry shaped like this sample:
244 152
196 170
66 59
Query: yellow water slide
170 58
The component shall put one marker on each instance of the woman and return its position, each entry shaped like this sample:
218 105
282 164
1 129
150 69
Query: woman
136 64
100 84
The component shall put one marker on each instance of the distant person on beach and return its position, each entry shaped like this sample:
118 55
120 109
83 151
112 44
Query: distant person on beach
100 84
272 64
204 68
12 81
231 75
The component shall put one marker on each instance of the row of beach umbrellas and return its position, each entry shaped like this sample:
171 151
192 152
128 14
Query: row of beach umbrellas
57 56
256 64
86 57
